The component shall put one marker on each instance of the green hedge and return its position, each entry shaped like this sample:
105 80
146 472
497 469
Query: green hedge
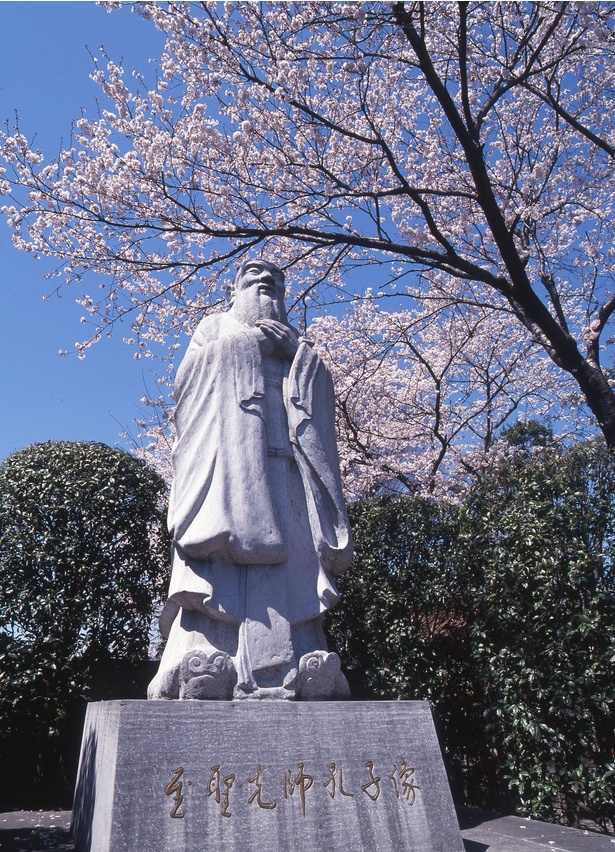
501 612
84 559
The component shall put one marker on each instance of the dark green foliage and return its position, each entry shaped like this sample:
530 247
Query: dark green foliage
401 596
527 434
83 562
539 535
500 611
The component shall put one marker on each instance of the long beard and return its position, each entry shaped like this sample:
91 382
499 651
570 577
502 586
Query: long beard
250 306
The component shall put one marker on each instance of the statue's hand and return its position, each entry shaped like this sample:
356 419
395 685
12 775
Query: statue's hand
283 336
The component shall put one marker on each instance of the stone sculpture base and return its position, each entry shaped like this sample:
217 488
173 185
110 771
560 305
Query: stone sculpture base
191 776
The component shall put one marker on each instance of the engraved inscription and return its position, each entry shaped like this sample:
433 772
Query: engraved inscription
302 781
257 795
296 781
220 787
174 788
372 788
336 781
406 782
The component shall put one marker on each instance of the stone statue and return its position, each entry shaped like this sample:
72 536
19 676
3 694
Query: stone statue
256 512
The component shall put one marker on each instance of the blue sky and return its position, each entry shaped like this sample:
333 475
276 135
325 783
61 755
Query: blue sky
44 75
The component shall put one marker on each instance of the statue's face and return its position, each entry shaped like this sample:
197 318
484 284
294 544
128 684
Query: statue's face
262 277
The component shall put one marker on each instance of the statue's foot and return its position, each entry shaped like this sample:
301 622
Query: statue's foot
287 691
165 686
321 678
265 692
206 676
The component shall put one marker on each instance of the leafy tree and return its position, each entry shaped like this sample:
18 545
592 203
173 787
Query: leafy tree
83 561
401 630
402 593
457 153
539 537
525 434
501 611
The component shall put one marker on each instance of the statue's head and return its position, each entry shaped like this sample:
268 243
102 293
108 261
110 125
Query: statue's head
257 275
257 293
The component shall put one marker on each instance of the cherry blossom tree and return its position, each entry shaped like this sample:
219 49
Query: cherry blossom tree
408 149
422 394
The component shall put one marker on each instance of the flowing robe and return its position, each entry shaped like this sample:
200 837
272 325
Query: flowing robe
256 509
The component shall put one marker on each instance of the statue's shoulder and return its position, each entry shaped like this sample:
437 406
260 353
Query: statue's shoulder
212 328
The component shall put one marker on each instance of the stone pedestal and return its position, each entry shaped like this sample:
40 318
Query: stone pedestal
192 776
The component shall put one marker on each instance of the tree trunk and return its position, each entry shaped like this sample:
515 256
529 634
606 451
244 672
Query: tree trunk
600 398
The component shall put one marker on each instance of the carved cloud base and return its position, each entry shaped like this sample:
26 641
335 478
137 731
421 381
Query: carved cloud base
206 676
193 776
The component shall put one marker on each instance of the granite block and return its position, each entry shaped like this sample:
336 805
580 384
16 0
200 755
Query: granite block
204 775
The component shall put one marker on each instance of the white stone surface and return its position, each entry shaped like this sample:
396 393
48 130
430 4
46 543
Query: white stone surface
256 512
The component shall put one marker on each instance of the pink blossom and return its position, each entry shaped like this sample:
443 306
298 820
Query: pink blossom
470 184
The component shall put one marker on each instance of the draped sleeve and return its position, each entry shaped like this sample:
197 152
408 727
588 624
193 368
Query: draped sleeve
310 405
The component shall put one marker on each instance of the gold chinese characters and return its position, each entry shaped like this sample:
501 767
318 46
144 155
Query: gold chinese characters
268 790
